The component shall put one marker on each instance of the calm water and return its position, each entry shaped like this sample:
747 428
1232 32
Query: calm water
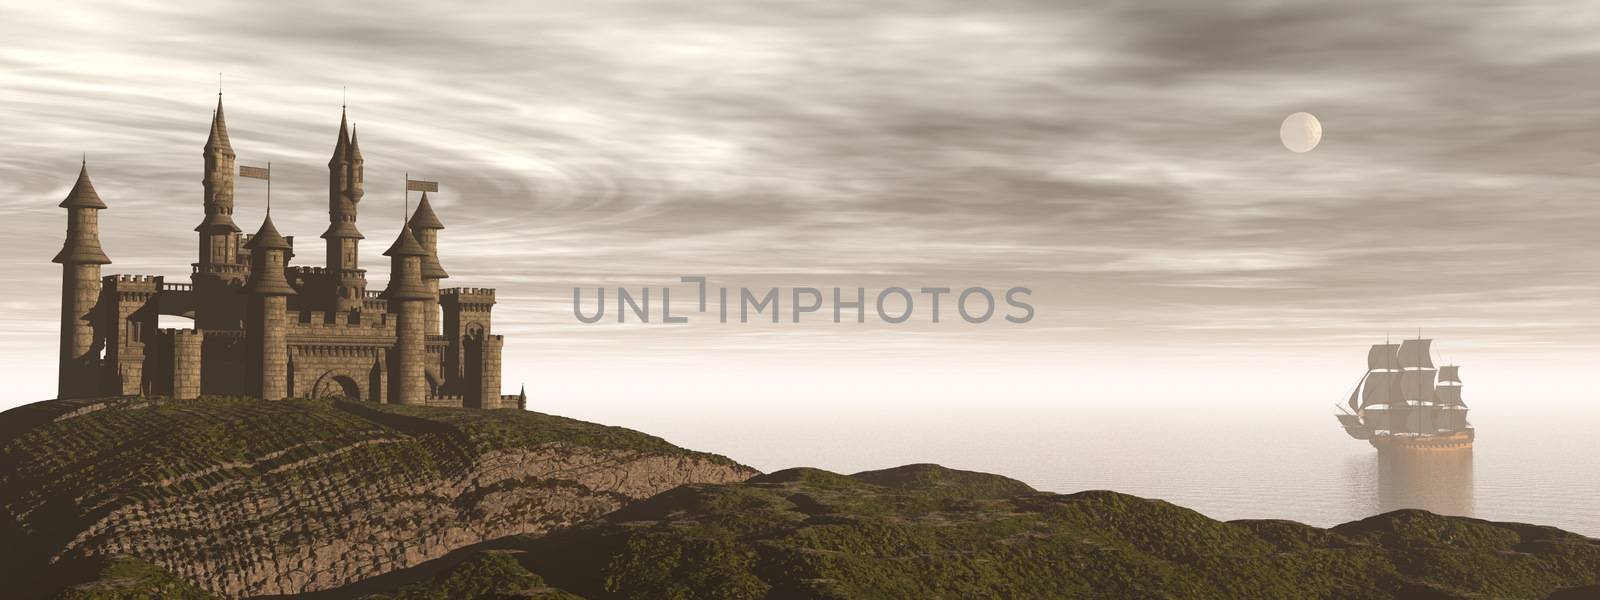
1531 464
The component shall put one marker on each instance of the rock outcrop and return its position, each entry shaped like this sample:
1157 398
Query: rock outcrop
244 497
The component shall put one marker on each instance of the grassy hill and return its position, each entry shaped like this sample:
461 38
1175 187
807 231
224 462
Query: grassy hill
140 498
923 531
244 497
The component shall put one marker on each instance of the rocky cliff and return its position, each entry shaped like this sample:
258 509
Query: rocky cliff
242 497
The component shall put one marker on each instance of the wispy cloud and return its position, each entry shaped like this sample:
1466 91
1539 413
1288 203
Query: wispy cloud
1121 158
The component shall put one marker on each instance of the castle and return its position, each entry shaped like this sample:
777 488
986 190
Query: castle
266 329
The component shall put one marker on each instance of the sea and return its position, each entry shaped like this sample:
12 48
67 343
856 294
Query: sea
1236 451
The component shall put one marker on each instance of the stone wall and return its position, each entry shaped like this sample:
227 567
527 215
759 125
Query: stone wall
186 346
407 383
80 368
273 337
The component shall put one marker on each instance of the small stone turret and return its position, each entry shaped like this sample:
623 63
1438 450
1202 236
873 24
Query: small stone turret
218 233
425 226
345 188
268 327
407 296
80 259
219 270
357 170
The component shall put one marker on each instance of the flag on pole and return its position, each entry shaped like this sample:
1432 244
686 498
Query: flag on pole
415 185
255 172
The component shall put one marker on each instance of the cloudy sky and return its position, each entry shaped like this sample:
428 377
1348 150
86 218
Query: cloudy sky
1119 158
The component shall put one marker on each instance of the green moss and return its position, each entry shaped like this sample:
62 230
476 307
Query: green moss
485 576
124 578
927 532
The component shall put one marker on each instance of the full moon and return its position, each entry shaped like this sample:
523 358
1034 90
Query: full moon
1301 132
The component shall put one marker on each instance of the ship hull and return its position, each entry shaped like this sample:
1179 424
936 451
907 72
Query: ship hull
1460 440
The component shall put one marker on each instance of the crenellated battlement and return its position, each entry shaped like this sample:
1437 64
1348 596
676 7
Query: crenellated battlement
477 300
195 268
128 284
466 292
371 323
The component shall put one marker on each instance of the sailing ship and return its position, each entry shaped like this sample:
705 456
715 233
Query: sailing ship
1404 402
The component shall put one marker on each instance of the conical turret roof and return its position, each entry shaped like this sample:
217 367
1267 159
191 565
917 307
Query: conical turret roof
405 281
431 269
424 217
268 238
218 140
355 146
83 242
83 194
342 229
405 245
341 148
217 220
263 280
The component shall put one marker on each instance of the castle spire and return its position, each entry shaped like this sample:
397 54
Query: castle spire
341 147
218 140
355 146
343 239
218 184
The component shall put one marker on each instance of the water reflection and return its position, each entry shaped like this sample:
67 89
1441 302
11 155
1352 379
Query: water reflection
1432 480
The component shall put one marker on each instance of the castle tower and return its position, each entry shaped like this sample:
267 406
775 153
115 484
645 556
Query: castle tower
472 351
80 259
219 270
268 316
407 296
425 226
345 188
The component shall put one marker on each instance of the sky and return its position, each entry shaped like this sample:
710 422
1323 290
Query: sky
1121 160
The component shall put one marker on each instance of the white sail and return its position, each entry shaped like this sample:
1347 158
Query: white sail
1355 394
1383 387
1417 386
1449 373
1448 395
1416 354
1383 356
